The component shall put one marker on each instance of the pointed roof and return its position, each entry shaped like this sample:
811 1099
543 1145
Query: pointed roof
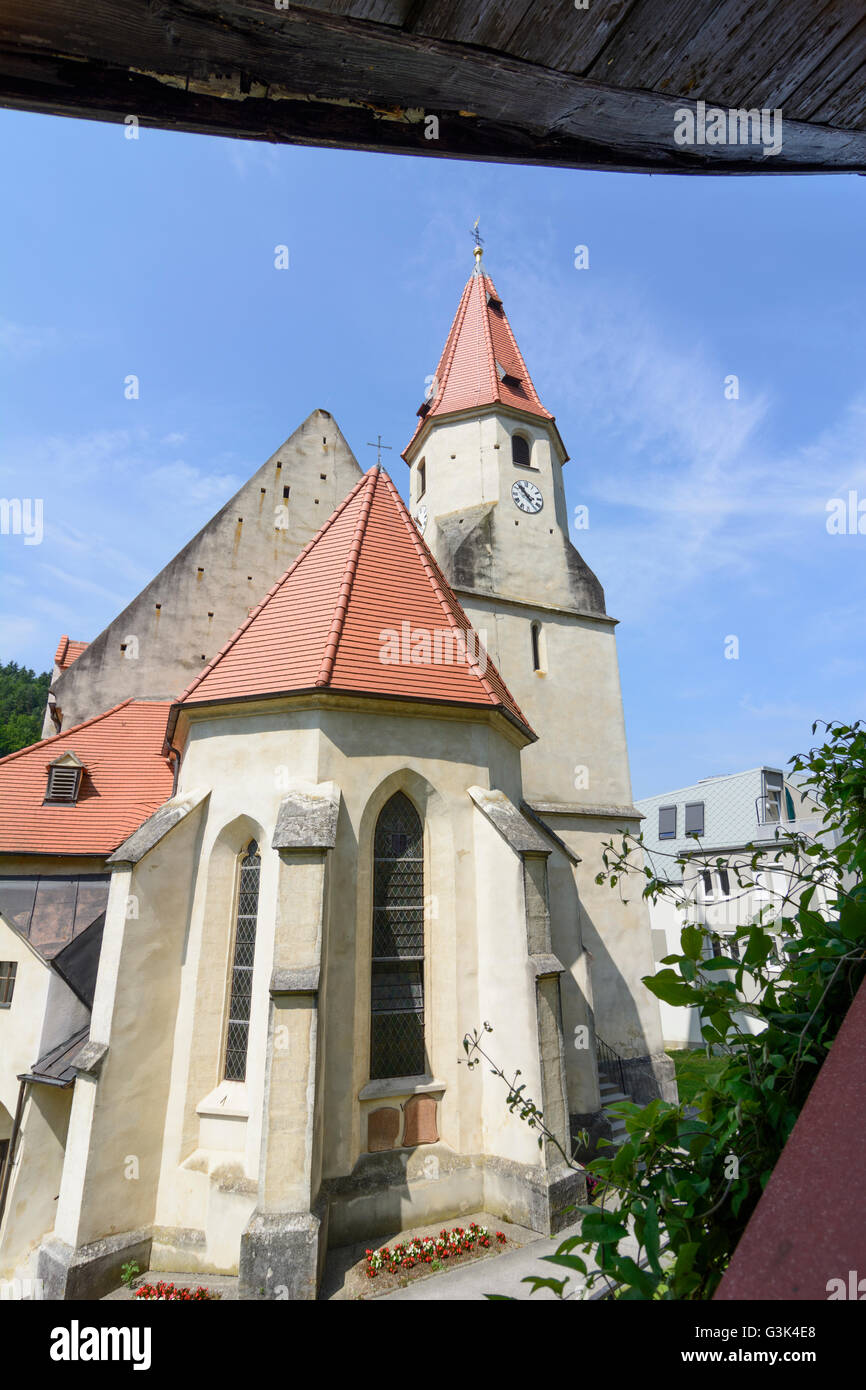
126 779
481 364
349 616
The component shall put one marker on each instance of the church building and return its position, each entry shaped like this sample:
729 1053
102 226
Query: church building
328 795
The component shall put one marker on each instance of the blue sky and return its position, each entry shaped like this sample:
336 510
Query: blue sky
707 516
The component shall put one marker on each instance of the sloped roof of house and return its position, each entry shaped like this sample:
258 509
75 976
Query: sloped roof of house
481 363
126 778
68 651
363 589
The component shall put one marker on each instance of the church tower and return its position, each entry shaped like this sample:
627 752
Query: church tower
486 490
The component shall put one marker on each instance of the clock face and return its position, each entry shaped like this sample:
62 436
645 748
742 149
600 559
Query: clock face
527 496
421 518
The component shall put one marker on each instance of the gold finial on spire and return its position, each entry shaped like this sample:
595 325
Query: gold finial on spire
479 245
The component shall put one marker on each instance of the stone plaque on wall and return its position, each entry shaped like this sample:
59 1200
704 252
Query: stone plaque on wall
383 1129
420 1124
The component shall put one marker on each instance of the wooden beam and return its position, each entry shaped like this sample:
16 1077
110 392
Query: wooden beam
298 76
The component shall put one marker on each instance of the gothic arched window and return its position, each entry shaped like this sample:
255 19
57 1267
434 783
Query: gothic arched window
240 993
397 984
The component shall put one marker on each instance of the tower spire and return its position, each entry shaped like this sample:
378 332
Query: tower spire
481 364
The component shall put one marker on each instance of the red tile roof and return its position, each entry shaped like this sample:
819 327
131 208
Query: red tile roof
68 651
125 781
480 348
325 624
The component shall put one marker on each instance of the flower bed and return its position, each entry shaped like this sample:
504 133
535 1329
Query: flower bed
431 1251
173 1292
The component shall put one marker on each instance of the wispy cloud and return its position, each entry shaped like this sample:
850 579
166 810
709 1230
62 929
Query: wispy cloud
21 342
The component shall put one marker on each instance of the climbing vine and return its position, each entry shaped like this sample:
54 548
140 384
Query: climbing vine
675 1198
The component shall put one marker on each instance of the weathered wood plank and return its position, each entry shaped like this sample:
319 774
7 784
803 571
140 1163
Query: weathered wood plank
557 35
487 24
392 12
848 60
783 73
311 77
650 39
740 54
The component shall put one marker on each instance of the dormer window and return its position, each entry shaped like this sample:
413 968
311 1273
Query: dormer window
64 779
493 302
505 376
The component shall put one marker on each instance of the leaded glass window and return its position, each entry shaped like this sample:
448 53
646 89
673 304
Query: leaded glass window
240 993
397 993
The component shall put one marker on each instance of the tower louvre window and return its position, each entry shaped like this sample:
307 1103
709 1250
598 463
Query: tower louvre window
397 976
241 989
520 453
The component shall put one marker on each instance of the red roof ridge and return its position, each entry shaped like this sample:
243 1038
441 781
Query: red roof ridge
488 338
85 723
332 641
254 612
437 581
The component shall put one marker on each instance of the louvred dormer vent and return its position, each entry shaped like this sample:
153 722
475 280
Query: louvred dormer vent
64 779
506 377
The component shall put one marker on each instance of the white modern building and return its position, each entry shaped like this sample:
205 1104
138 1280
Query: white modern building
710 824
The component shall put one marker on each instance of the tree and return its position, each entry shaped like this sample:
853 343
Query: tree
22 705
683 1186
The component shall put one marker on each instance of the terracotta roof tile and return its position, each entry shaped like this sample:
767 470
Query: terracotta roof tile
481 363
68 651
126 778
326 623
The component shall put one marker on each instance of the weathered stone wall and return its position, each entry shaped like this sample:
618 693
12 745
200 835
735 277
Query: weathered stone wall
160 642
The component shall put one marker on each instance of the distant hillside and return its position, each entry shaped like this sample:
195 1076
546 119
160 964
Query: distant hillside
22 706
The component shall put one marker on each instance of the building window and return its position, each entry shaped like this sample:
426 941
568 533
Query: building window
789 805
695 818
520 451
707 880
667 822
724 882
241 989
422 478
397 981
64 780
8 969
771 800
537 647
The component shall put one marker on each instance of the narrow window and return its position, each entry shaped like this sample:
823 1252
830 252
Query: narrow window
397 983
520 451
422 478
536 647
724 882
240 994
667 822
707 880
789 805
695 818
8 969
